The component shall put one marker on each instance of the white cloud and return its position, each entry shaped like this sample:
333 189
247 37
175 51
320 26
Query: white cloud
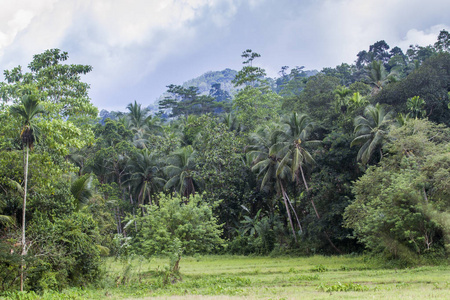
132 43
422 37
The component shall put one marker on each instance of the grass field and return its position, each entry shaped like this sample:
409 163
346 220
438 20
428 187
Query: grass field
238 277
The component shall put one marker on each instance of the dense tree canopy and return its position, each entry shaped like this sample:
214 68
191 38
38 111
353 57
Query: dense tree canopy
350 158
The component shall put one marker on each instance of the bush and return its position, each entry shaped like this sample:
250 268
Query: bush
188 220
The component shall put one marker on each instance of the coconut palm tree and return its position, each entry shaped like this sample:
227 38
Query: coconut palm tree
231 122
371 130
145 178
294 137
378 76
266 159
137 116
27 109
179 169
291 147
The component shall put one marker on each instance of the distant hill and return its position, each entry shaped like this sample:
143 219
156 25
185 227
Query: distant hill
205 81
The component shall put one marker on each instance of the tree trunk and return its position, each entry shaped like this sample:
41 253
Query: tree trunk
293 210
23 217
288 212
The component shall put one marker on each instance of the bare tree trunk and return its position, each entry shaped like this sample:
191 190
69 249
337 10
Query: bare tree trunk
116 217
296 217
288 212
24 250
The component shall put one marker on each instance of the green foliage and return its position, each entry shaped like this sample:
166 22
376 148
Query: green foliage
316 100
371 131
342 287
249 75
186 101
319 268
180 171
75 258
220 169
443 42
400 206
430 82
416 106
57 83
145 171
190 221
253 106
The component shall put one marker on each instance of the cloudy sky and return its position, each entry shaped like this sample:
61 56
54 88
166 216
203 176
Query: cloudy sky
137 47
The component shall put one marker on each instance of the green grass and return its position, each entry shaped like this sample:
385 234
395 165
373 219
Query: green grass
239 277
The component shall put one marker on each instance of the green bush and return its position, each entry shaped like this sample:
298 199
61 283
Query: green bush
188 220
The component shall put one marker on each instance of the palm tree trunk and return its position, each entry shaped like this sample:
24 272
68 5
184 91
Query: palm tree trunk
288 212
307 190
23 217
293 210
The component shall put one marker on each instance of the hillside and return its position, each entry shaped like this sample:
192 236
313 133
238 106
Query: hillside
205 81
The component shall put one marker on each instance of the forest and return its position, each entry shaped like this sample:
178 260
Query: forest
352 160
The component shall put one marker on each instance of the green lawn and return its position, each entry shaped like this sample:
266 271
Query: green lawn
239 277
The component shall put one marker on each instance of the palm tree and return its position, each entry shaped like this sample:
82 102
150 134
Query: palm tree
294 138
82 190
137 116
181 164
27 109
416 106
140 122
145 170
356 101
267 162
371 130
341 98
378 76
231 122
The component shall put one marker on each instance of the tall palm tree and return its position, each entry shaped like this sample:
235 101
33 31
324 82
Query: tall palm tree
292 145
138 117
371 130
267 162
145 177
27 109
179 169
294 138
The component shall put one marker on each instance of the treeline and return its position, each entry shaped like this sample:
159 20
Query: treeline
354 158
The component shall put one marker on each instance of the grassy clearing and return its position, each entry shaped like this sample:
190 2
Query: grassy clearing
238 277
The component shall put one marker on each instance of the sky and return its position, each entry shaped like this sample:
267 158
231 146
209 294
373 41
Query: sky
138 47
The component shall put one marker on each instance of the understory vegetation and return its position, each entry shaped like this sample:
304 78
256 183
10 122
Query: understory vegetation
351 161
